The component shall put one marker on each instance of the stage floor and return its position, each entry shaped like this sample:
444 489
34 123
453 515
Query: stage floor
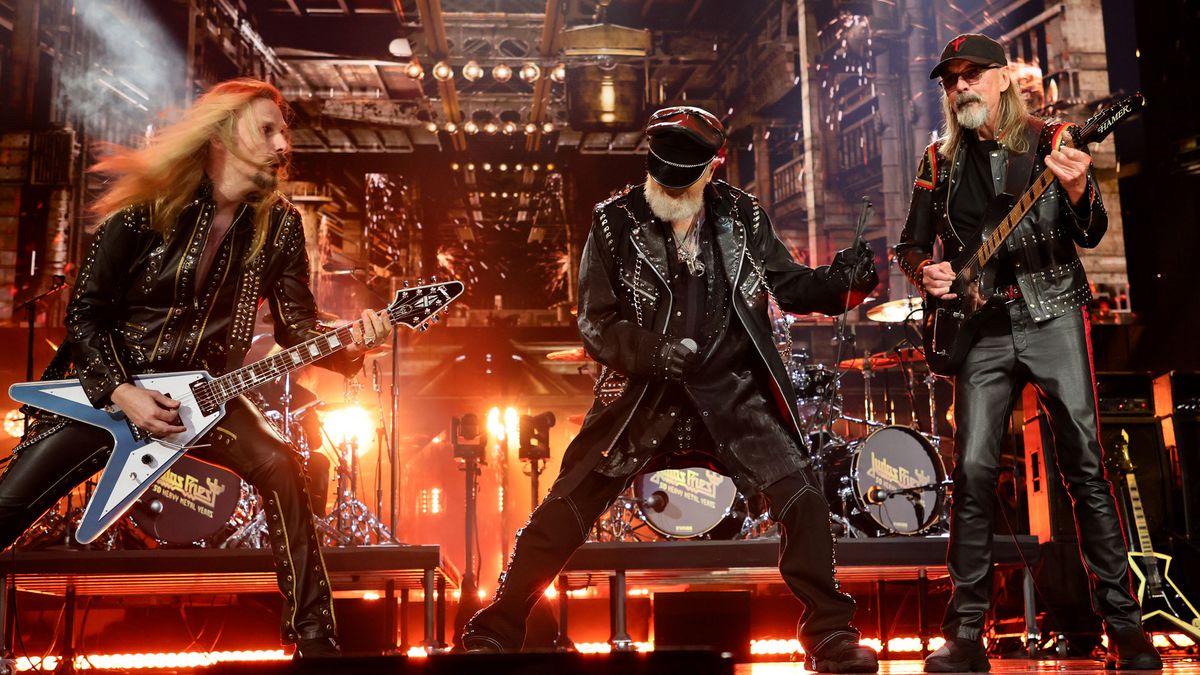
999 666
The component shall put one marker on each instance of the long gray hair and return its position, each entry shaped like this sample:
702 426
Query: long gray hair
1010 132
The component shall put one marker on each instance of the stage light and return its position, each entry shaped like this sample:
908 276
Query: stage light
559 73
470 166
502 72
471 127
472 71
400 48
536 167
450 128
442 71
510 127
370 595
517 167
548 128
350 424
432 127
503 167
531 128
549 167
487 166
491 127
453 167
530 72
414 70
14 423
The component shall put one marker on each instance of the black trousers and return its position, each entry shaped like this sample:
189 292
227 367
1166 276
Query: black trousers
560 525
1054 356
46 470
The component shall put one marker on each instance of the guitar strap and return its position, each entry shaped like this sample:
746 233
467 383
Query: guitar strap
1020 167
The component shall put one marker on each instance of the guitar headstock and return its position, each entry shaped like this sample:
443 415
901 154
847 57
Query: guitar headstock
413 307
1116 455
1100 125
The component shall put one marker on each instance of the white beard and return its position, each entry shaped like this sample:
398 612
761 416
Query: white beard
970 116
671 209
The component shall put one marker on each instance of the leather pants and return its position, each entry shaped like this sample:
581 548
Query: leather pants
1055 357
560 525
49 467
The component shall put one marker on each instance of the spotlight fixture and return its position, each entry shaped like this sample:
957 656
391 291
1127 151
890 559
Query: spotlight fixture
536 167
454 166
414 70
549 167
471 127
517 167
503 167
548 128
432 127
559 73
502 72
472 71
509 127
487 166
530 72
470 166
531 128
450 128
442 71
491 127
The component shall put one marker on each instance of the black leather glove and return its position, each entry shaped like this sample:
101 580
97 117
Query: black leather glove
676 359
853 269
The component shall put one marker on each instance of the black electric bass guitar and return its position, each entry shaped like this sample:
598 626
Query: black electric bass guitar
1164 607
951 325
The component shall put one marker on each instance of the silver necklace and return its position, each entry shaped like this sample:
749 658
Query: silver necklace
688 249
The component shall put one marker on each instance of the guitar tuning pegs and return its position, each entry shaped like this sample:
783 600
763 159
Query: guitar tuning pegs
433 279
421 329
406 283
420 281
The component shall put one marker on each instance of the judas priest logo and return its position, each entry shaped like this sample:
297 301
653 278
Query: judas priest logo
895 477
189 487
703 483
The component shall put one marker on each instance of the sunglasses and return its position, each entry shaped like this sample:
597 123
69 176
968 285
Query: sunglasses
971 74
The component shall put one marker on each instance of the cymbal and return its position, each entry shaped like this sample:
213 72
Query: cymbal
576 355
896 311
885 360
878 361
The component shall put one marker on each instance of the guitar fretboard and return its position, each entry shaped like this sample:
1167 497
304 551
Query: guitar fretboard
994 241
237 382
1139 515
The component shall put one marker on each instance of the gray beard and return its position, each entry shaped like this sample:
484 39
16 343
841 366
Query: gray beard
671 209
970 117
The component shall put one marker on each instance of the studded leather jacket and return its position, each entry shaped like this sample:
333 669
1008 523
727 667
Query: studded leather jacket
625 305
1043 246
137 306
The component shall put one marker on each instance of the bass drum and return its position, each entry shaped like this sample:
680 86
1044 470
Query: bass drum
688 503
189 505
891 458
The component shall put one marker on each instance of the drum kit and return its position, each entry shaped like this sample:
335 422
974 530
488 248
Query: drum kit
199 505
880 478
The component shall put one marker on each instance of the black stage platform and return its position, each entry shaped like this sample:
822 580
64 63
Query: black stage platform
387 569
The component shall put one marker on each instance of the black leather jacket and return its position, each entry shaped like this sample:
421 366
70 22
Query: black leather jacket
1042 248
625 303
136 308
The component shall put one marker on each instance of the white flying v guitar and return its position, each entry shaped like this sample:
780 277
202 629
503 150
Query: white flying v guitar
138 460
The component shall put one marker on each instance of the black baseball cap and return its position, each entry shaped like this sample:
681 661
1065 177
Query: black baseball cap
683 140
973 47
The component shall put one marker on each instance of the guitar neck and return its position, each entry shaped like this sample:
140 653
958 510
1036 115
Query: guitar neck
237 382
994 241
1139 515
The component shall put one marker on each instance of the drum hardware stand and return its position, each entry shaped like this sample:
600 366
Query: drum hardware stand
535 448
30 306
469 441
351 518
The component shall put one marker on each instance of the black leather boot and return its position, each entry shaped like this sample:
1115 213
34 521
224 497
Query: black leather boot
844 656
543 546
959 656
1130 649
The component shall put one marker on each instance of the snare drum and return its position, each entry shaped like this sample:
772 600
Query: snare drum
889 459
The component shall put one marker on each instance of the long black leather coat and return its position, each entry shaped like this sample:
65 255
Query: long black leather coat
1042 249
137 308
625 302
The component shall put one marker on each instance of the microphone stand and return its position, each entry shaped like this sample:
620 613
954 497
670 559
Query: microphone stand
30 307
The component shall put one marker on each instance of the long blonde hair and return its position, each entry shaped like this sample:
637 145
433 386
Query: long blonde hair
1010 131
167 172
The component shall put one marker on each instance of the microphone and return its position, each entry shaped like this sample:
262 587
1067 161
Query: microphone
657 501
876 495
375 377
690 344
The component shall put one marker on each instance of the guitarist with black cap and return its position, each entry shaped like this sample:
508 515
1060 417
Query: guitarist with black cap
1034 329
